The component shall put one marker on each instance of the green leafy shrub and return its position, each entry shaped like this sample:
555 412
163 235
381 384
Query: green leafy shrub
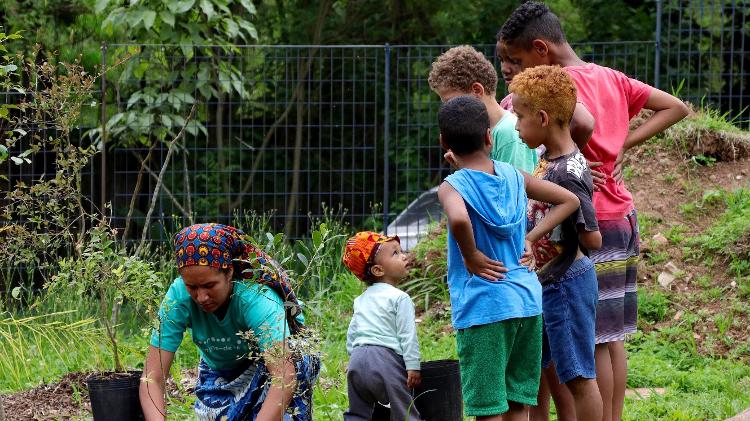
427 283
652 305
105 270
729 237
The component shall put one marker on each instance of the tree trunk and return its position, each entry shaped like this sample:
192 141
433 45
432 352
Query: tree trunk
221 156
290 225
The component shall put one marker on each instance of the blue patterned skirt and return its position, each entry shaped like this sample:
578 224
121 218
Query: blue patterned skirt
239 394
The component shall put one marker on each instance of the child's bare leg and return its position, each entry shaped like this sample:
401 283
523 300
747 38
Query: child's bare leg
588 402
516 412
540 412
565 405
604 379
620 371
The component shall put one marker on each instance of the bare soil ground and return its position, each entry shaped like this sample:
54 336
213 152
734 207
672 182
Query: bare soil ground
66 399
661 181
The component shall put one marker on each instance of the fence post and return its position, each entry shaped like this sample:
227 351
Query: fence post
103 98
386 136
657 49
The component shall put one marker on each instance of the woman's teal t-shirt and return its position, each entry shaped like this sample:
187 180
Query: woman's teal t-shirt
253 307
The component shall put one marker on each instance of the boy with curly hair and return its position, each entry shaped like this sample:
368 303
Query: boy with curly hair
463 70
544 98
532 36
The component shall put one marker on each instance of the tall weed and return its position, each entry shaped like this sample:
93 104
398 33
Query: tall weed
35 347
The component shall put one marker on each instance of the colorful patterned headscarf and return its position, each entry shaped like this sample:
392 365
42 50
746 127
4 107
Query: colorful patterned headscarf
222 246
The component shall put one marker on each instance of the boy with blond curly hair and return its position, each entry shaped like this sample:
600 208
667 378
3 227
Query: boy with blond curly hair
544 98
463 70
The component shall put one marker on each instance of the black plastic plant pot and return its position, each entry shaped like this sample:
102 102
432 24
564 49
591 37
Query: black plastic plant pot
439 397
114 396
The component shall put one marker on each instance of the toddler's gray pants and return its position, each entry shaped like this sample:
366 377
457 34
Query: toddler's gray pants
378 374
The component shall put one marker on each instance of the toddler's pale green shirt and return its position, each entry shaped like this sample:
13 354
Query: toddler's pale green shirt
384 316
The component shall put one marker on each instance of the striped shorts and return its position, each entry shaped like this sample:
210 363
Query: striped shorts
616 265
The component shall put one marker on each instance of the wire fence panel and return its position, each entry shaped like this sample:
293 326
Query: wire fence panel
705 53
300 132
299 138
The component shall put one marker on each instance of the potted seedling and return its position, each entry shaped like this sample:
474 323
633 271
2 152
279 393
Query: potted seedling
104 270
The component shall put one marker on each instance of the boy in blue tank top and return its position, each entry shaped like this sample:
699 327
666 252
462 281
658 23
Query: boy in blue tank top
496 313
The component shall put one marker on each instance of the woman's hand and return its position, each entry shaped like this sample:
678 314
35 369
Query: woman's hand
151 391
283 384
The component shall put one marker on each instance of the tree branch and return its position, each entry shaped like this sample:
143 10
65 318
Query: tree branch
144 234
137 188
167 192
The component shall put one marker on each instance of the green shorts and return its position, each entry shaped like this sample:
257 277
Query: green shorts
500 362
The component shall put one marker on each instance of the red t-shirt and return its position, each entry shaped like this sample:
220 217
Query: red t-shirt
613 99
507 103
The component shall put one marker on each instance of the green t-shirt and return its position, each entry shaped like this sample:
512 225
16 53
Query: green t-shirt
253 307
508 147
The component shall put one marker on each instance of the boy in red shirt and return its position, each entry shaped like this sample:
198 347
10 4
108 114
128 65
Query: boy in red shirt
532 36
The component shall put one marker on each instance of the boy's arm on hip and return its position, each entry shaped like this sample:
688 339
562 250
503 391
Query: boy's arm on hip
668 111
458 218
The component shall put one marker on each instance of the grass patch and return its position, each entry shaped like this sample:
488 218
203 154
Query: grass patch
707 136
697 387
729 237
652 305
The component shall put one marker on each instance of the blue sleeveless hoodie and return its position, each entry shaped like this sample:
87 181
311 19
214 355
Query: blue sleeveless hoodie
497 209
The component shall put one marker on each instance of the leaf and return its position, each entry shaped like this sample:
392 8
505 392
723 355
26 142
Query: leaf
134 17
303 259
249 6
148 19
317 239
8 68
167 17
231 28
181 6
187 50
16 160
100 6
133 99
208 9
16 293
249 28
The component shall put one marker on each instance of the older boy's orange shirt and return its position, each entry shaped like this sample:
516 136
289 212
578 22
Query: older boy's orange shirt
613 99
